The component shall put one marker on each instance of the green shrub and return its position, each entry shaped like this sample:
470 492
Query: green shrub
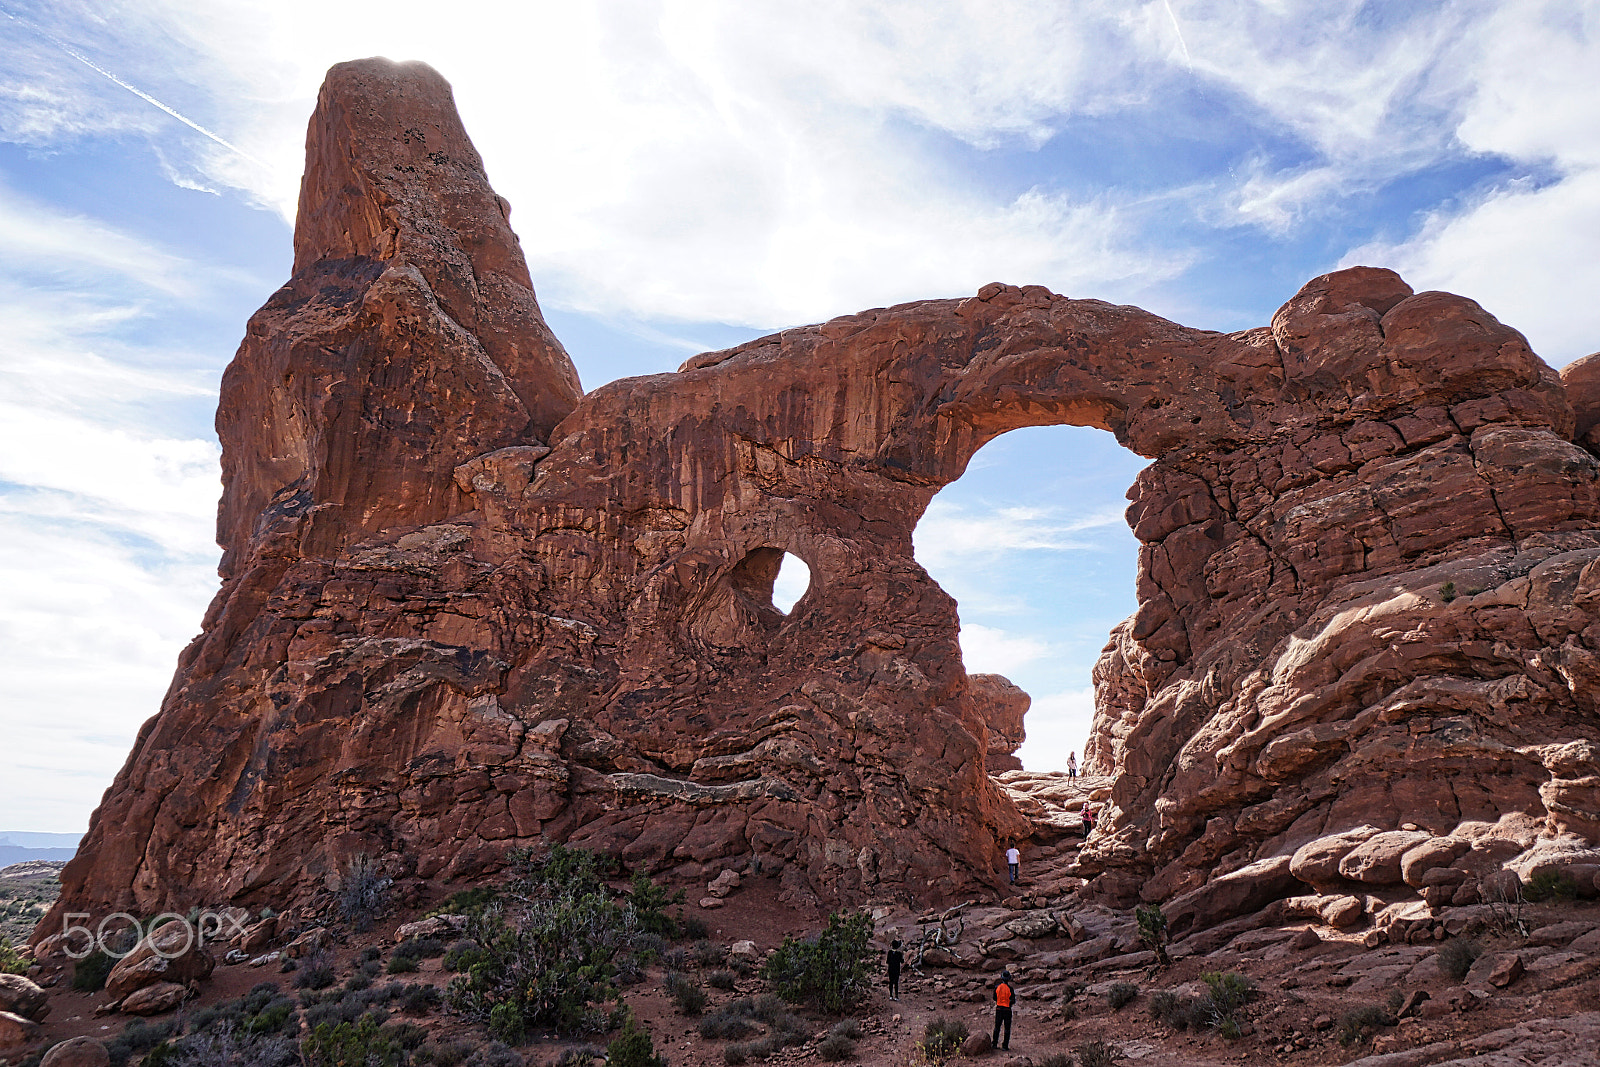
721 980
1153 931
419 999
444 1054
467 902
582 1056
828 972
1456 957
686 994
363 1043
1121 994
316 972
1098 1054
11 961
1358 1024
399 964
942 1037
633 1048
138 1037
693 927
1550 885
543 966
709 953
560 872
358 982
734 1055
850 1028
458 955
90 973
650 903
727 1023
1057 1059
494 1054
836 1047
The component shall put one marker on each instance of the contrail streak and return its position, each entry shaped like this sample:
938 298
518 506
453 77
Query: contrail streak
136 91
1179 31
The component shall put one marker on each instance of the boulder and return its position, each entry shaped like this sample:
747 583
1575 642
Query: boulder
723 884
1376 861
1034 924
745 950
307 943
1245 890
1428 855
1342 912
440 926
977 1045
16 1031
711 903
170 953
153 999
77 1052
22 996
1316 863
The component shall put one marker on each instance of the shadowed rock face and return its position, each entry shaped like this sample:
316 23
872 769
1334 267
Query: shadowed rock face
464 609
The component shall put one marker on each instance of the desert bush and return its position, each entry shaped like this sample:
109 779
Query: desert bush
1057 1059
90 973
1550 885
560 872
364 1042
633 1048
467 902
1098 1054
685 993
363 894
1121 994
693 927
942 1037
1457 956
1153 931
358 982
456 957
734 1055
494 1054
727 1023
443 1054
372 968
650 902
138 1037
836 1047
721 979
403 964
828 972
316 972
1358 1024
543 966
419 999
676 959
419 948
709 953
225 1046
582 1056
11 961
850 1028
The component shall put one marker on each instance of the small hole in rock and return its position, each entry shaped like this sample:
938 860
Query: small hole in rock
794 578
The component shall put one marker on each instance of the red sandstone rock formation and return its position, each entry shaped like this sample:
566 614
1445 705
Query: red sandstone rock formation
450 624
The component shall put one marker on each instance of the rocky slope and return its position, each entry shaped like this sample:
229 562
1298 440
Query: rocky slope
464 608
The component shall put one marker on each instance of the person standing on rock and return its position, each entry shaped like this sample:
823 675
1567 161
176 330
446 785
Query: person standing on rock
1013 859
1087 815
1072 765
896 959
1002 1009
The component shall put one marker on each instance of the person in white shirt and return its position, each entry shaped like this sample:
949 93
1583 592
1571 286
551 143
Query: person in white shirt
1013 857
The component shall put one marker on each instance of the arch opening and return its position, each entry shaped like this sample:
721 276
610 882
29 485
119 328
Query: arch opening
1032 543
770 581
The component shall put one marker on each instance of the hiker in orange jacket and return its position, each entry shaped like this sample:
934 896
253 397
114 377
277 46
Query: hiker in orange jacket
1003 996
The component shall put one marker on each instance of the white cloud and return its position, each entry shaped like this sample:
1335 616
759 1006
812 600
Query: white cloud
949 534
1057 724
989 650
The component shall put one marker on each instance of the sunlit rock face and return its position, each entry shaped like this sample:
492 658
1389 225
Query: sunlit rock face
465 607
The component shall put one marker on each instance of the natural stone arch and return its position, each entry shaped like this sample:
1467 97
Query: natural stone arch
429 665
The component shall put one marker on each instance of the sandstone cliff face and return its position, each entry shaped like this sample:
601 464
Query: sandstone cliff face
464 609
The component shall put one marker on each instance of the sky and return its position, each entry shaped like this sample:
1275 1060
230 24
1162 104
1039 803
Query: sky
687 175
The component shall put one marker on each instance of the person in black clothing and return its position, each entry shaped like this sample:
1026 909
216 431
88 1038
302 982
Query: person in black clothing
896 960
1003 995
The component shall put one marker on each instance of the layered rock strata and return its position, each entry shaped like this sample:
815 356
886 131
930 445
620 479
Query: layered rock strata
464 608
